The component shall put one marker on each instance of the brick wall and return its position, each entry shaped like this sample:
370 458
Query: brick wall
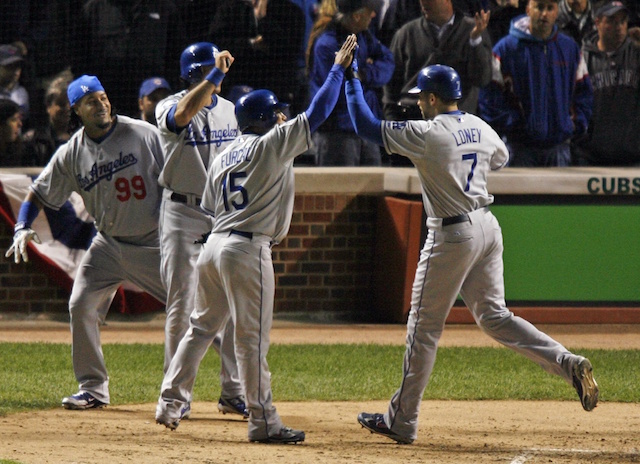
323 268
325 264
24 288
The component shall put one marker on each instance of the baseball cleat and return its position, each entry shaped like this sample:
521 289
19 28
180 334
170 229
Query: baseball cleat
285 435
168 423
233 406
585 384
82 400
375 423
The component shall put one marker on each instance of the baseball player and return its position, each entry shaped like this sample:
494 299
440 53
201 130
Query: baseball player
250 191
453 152
196 125
113 162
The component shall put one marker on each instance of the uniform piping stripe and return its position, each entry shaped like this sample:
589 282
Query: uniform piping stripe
259 364
217 142
415 328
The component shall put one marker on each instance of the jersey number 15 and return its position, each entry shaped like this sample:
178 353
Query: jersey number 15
233 182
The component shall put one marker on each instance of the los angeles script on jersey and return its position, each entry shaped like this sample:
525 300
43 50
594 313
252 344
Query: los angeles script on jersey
209 136
105 171
471 135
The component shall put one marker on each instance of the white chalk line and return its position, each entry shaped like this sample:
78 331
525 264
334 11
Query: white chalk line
528 453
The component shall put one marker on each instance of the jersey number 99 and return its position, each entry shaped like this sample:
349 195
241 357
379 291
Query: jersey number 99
128 188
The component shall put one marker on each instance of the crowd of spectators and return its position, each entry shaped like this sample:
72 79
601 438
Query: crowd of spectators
572 99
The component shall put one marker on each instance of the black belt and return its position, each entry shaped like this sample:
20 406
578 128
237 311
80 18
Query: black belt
458 219
248 235
180 198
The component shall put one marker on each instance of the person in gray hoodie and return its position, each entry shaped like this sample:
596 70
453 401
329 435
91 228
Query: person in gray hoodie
612 55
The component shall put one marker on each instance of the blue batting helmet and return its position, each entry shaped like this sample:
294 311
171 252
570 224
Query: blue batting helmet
258 109
194 57
441 80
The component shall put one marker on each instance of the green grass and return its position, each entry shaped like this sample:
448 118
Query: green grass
37 376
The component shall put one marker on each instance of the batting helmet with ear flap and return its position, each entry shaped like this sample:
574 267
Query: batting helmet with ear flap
258 109
194 57
441 80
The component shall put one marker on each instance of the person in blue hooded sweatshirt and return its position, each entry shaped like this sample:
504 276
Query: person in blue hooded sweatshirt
540 96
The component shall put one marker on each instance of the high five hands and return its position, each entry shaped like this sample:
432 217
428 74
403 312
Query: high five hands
344 56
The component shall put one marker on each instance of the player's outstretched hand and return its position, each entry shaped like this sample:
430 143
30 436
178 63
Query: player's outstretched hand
345 54
19 246
224 59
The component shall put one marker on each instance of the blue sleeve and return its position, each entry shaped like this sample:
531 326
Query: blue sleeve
324 50
365 123
325 100
498 103
27 214
378 73
171 120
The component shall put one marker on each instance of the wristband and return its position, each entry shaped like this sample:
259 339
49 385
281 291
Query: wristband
351 74
28 213
352 71
215 76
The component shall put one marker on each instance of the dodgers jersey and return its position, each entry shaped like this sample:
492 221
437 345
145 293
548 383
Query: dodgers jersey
251 184
453 154
188 153
117 177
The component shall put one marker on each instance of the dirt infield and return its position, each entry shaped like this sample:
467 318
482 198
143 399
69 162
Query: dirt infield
450 431
606 336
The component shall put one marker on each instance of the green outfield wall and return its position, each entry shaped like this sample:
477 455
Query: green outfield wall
574 253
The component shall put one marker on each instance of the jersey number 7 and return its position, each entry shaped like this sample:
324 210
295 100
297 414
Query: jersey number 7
473 157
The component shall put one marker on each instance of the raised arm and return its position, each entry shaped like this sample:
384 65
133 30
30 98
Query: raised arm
203 93
364 121
325 100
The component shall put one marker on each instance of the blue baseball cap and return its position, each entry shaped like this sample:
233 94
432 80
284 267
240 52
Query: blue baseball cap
152 84
82 86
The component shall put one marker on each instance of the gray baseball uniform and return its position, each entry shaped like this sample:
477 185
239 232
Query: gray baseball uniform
250 192
188 153
117 179
462 254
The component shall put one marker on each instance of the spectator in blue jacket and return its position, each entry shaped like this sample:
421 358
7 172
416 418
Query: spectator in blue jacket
336 142
540 95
